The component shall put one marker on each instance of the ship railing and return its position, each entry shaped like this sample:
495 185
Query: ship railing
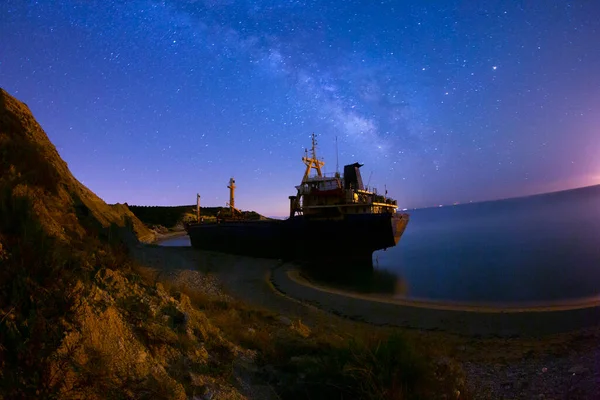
303 189
370 189
327 175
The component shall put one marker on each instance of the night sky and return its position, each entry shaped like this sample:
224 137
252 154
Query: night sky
150 102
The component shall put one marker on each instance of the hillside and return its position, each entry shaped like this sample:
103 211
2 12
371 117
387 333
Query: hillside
77 317
31 168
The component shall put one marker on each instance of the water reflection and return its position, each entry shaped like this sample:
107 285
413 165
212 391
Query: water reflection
365 280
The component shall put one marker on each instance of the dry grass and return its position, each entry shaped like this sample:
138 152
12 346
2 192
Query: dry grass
359 363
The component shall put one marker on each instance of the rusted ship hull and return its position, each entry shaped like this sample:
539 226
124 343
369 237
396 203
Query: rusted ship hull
252 238
345 242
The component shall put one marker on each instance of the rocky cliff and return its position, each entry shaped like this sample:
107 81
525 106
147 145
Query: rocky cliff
30 167
77 317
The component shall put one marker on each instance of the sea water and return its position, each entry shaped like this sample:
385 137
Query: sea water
537 248
179 241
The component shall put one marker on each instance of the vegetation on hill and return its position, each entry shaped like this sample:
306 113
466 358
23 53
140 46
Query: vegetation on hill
171 216
80 319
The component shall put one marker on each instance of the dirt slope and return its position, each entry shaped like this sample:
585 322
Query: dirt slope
31 167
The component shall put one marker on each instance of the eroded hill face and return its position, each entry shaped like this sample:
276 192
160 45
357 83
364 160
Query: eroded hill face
31 167
76 319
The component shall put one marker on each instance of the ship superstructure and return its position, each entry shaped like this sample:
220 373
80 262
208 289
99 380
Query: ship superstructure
334 196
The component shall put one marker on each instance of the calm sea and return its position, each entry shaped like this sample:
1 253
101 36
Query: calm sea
538 248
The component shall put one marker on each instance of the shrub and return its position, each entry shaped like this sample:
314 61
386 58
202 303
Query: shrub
38 294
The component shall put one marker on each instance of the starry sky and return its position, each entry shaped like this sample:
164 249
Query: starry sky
151 102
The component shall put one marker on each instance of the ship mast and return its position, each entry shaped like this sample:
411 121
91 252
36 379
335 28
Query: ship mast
198 207
231 188
312 162
337 162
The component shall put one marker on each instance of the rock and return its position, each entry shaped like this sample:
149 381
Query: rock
301 329
443 364
304 360
270 373
248 366
307 364
521 384
578 370
285 320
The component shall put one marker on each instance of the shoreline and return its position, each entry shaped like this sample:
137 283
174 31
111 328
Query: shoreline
450 305
454 318
161 237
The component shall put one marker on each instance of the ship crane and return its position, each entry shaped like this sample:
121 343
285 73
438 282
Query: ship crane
198 219
234 213
312 162
231 203
231 188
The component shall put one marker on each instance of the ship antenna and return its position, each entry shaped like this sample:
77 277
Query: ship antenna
370 176
337 163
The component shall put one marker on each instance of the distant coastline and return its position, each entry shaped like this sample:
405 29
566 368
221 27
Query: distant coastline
505 198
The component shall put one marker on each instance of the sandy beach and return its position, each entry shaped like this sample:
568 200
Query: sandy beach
161 237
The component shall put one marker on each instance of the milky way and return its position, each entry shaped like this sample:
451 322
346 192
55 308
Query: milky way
152 102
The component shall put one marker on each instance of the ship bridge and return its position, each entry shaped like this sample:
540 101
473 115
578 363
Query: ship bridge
333 196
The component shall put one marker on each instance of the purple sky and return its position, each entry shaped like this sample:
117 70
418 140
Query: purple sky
150 102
